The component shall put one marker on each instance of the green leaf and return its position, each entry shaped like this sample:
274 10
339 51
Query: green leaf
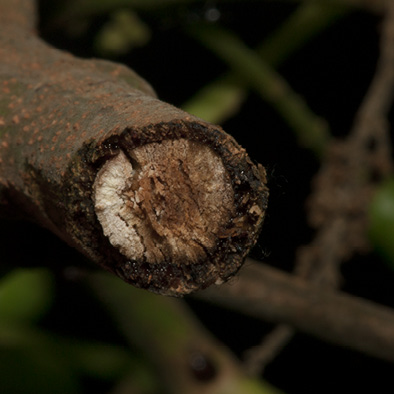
381 215
25 295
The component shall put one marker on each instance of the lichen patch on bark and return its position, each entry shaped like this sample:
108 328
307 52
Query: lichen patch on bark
168 201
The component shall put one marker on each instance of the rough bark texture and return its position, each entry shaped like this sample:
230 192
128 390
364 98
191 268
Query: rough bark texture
191 198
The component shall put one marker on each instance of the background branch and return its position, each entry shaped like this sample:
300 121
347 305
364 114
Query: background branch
343 190
269 294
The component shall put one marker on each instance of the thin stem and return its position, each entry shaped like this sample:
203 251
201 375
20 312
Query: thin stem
311 131
184 353
219 100
269 294
304 24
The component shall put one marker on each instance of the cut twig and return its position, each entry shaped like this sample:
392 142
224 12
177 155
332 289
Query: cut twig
164 200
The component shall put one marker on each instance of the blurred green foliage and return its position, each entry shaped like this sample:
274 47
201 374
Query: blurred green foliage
25 295
33 360
123 31
381 214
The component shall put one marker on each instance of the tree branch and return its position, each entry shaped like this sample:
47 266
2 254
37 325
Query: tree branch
267 293
164 200
344 185
21 13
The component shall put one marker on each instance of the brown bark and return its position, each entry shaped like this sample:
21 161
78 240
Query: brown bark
269 294
70 126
